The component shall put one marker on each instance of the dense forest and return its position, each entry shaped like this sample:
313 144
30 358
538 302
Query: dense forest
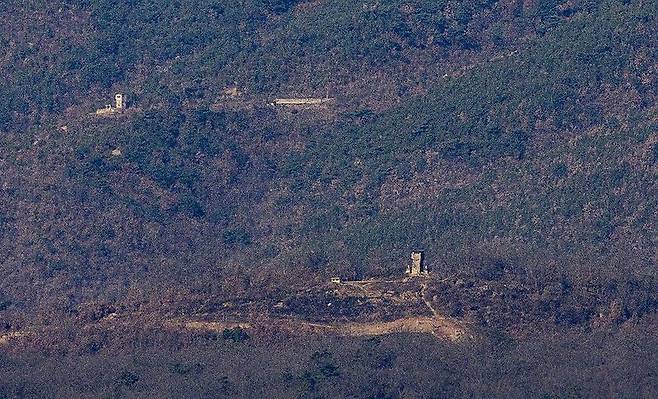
515 142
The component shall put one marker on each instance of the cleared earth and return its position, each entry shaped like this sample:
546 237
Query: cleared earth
355 309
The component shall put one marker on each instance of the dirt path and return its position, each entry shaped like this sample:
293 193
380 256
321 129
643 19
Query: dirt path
7 338
423 291
440 327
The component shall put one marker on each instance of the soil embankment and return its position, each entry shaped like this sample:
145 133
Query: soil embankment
440 327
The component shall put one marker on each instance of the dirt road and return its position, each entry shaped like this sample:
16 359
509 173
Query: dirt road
440 327
7 338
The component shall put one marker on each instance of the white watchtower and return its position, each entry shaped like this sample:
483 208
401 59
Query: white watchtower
417 266
119 102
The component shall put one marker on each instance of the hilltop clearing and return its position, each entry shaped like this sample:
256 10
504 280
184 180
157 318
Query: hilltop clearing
515 142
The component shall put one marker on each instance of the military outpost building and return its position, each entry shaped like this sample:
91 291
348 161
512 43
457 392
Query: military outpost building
417 266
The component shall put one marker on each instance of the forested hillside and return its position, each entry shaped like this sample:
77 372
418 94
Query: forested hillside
516 142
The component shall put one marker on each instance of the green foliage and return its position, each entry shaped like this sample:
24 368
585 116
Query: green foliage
128 378
537 163
188 47
488 117
319 375
237 236
236 334
654 152
186 368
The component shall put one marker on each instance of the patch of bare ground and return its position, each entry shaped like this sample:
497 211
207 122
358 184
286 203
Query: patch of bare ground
409 311
440 327
8 338
351 309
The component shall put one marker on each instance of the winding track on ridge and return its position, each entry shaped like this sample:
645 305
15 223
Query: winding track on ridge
440 326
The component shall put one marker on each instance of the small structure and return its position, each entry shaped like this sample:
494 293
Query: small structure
108 110
300 102
232 92
119 106
417 266
336 280
119 101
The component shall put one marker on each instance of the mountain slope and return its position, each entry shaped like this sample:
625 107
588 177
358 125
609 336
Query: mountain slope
535 156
